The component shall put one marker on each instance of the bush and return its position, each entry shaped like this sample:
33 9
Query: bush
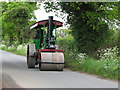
3 47
109 53
81 57
11 48
20 49
110 56
66 43
107 65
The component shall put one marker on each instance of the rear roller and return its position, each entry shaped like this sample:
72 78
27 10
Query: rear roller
52 61
30 56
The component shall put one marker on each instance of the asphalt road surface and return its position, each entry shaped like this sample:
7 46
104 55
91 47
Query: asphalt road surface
15 74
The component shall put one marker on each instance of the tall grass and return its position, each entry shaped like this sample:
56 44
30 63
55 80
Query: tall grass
20 49
106 66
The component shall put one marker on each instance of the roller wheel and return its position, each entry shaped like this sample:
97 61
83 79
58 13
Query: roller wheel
51 57
31 60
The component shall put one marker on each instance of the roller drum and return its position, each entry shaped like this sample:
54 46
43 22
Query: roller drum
52 61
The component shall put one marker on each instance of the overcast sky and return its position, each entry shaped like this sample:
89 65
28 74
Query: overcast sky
41 14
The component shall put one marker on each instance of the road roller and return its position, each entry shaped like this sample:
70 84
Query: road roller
44 51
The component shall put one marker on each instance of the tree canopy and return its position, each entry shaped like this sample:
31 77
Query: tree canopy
16 18
92 23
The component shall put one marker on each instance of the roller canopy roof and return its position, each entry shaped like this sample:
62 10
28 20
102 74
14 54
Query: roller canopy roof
40 24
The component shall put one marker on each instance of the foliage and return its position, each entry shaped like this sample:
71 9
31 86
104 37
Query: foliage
91 12
20 49
16 18
114 40
91 23
63 32
106 65
110 56
81 57
118 43
3 47
66 43
108 53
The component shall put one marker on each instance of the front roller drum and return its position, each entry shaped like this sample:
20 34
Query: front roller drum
52 61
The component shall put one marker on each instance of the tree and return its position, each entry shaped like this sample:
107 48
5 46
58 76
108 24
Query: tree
92 23
63 32
16 17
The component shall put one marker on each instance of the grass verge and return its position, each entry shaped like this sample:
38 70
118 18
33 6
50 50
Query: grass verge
93 66
20 50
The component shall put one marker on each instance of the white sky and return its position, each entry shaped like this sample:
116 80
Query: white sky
41 14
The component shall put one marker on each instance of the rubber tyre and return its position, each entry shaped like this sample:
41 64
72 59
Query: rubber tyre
31 60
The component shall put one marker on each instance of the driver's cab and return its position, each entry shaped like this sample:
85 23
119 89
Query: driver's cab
44 33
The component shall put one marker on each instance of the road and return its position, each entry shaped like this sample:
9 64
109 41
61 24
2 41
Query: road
15 74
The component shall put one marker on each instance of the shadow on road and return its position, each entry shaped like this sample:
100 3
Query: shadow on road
8 82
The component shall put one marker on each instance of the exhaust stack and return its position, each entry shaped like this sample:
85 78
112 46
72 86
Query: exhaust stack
50 26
